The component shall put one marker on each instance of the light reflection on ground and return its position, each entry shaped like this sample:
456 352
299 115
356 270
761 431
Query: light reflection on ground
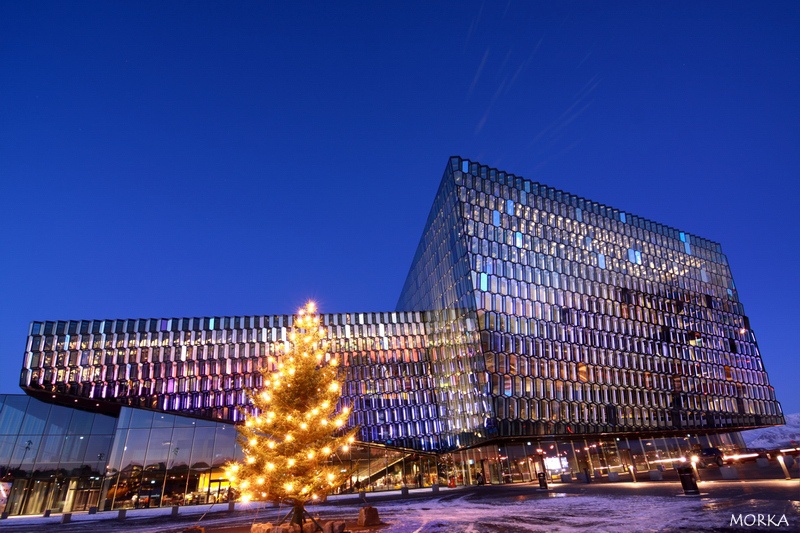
501 509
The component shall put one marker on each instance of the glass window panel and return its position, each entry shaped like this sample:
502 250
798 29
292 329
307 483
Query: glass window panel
124 419
35 418
97 450
202 448
224 443
134 450
59 420
73 450
12 414
103 425
180 454
25 450
158 448
162 420
115 456
141 418
7 443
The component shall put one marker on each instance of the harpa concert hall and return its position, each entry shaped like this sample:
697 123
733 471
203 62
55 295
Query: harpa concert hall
537 331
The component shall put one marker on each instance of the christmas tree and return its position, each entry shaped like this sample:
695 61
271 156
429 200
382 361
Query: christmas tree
294 427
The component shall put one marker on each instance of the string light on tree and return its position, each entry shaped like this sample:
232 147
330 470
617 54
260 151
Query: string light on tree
295 428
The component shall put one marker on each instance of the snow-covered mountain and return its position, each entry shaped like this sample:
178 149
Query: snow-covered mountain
774 437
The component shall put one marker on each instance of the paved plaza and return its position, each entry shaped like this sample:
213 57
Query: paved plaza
523 508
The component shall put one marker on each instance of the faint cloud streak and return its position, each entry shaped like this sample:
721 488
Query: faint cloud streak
524 65
474 23
494 98
577 108
478 73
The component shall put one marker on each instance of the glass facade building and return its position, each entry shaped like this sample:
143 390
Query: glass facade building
536 330
51 456
591 320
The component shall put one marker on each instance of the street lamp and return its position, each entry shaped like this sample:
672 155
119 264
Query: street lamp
782 462
28 445
8 476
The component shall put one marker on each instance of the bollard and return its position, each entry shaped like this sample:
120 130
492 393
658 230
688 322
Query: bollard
3 515
542 477
632 470
231 506
92 510
435 487
175 511
688 481
122 514
46 513
403 491
66 518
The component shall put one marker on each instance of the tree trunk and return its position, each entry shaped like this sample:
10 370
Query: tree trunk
297 517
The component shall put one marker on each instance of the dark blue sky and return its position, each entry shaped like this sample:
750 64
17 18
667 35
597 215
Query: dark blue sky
230 158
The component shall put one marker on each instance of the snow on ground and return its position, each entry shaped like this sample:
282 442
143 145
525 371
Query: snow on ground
573 513
500 510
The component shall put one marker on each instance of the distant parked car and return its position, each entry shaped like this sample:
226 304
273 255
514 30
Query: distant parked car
747 454
710 456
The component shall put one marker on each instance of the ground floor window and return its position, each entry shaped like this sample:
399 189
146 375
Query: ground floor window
180 469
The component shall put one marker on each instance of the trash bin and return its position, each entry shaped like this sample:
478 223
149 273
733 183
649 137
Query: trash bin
688 481
542 480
